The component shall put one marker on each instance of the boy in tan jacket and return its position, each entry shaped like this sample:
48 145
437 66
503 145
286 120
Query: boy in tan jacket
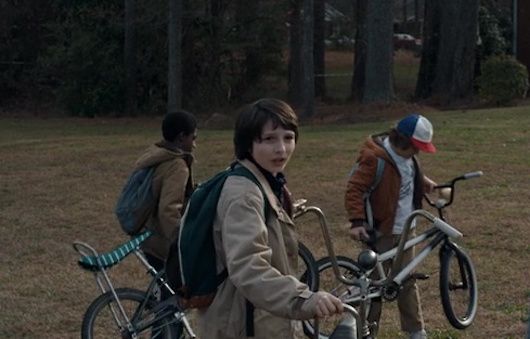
259 251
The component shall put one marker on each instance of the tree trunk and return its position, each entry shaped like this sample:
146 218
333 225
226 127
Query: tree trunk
246 17
319 52
174 91
308 62
211 80
404 13
295 76
129 52
416 11
372 77
448 56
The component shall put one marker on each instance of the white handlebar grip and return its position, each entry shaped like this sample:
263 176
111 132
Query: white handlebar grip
446 228
473 175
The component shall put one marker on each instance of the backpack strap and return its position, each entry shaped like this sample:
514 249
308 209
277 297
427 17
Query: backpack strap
378 173
366 197
242 171
249 307
249 318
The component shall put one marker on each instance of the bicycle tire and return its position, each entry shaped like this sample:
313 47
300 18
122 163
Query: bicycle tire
310 275
329 283
99 323
459 314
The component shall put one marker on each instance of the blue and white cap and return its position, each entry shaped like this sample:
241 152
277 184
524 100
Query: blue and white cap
419 130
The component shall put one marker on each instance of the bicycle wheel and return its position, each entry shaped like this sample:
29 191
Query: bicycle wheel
329 283
458 288
307 267
103 318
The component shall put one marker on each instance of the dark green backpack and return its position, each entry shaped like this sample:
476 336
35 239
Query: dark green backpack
191 263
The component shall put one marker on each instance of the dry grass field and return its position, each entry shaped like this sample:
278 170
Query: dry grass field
60 178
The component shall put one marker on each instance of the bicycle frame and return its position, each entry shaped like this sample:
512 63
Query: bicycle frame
105 285
161 310
368 288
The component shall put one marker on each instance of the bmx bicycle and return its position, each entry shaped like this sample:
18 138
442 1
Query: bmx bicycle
132 313
358 283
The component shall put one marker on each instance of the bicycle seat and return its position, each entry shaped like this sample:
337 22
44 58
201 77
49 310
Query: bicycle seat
106 260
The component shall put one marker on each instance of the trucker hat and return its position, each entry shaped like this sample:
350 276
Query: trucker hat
419 130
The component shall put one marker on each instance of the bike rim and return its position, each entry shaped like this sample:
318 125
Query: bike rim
460 289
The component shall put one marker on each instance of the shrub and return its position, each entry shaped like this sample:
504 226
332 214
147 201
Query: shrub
503 80
492 41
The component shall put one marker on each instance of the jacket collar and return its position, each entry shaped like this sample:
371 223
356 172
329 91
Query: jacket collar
276 183
274 202
375 144
174 148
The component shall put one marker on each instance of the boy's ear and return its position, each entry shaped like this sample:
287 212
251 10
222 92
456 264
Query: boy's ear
180 136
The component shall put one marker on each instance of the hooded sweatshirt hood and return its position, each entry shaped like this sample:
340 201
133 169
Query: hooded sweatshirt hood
374 145
161 152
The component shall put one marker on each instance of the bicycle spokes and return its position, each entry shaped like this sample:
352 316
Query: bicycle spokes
458 288
460 295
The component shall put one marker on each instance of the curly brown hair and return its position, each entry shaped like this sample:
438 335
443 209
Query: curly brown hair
399 140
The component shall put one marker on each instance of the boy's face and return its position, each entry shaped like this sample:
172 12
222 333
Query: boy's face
412 151
187 141
274 148
408 152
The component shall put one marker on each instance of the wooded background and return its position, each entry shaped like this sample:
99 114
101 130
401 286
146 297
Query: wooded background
131 57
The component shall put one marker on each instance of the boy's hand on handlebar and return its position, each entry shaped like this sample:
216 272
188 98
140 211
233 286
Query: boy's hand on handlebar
323 304
428 185
359 233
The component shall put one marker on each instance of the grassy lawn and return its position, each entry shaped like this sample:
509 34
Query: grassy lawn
60 179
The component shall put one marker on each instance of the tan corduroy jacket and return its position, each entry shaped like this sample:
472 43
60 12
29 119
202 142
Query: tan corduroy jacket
260 259
172 184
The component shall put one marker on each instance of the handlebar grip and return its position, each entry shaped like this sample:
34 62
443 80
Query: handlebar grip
471 175
350 325
446 228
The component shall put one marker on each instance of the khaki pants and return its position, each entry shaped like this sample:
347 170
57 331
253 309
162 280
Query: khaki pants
408 299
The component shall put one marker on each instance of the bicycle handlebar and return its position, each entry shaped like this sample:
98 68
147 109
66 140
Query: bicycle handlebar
350 327
441 203
471 175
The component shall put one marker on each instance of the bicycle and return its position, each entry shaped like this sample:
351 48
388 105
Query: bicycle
352 281
131 313
128 312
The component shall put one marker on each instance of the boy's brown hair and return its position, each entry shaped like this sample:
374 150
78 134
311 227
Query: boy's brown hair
253 117
399 140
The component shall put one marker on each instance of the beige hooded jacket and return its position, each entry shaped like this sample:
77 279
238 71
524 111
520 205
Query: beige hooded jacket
260 259
172 184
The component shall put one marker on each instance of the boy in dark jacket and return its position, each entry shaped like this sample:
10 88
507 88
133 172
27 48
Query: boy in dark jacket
398 193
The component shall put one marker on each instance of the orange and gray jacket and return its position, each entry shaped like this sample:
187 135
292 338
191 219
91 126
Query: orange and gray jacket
384 198
172 184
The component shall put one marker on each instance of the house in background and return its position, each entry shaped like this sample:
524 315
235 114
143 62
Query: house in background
408 17
337 23
338 28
